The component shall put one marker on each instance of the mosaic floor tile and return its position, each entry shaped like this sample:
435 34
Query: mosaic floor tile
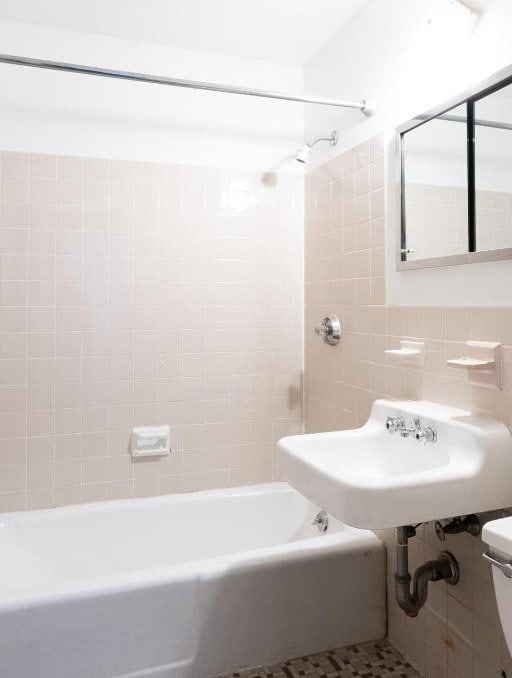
377 659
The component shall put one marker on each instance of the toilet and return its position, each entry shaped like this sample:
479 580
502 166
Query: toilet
498 534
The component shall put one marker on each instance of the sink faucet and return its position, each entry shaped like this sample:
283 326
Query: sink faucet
420 433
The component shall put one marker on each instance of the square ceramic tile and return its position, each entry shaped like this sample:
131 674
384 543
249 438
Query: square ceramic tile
376 659
110 274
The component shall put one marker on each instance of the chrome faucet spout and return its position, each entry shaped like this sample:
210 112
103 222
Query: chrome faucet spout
420 433
321 520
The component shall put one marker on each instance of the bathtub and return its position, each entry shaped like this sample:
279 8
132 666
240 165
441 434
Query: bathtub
182 586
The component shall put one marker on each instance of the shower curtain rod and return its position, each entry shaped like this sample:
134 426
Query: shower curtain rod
363 106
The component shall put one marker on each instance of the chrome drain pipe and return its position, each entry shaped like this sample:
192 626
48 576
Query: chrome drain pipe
445 567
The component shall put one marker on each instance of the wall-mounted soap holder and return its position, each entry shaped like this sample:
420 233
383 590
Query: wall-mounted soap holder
411 352
150 441
482 363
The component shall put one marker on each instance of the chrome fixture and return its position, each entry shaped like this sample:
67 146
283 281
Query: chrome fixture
394 424
364 106
504 565
445 567
420 433
321 520
423 433
302 154
329 329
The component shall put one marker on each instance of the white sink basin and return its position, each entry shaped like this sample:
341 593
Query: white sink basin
370 478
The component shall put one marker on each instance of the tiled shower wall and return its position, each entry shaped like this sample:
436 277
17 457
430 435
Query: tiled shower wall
134 294
458 634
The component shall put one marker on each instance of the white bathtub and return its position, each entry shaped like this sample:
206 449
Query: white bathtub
183 586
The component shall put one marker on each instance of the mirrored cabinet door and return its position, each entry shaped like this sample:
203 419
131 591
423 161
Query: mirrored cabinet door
455 179
435 187
493 170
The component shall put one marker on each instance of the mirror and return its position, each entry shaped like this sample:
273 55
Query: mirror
493 170
455 180
436 187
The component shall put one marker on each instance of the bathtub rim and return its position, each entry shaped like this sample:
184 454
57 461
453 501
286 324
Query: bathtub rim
274 487
115 505
314 547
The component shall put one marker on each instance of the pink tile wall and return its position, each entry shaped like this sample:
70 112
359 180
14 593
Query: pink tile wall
135 294
458 633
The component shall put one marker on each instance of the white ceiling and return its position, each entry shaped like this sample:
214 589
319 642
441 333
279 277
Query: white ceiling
278 31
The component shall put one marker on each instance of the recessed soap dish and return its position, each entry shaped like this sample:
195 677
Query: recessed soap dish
150 441
482 362
409 352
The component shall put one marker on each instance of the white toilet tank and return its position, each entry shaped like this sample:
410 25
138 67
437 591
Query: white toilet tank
498 534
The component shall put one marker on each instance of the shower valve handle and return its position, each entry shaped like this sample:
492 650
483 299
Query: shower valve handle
329 329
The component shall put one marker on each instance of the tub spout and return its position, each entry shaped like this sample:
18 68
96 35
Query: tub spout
321 520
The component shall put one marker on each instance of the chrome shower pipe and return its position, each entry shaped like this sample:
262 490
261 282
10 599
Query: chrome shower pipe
364 106
332 139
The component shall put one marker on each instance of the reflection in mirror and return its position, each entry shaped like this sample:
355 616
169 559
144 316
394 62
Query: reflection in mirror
493 170
435 187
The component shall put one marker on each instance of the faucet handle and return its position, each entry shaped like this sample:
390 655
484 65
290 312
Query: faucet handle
425 433
329 329
394 424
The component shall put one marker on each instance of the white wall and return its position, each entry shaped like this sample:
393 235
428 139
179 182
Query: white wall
410 55
49 112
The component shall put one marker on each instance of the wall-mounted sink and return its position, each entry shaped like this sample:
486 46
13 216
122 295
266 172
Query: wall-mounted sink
413 461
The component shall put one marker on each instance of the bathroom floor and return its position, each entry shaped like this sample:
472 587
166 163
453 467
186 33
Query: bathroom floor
377 659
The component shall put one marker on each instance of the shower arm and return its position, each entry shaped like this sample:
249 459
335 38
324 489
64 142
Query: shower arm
332 139
364 106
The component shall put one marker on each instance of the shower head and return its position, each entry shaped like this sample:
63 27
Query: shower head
302 154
